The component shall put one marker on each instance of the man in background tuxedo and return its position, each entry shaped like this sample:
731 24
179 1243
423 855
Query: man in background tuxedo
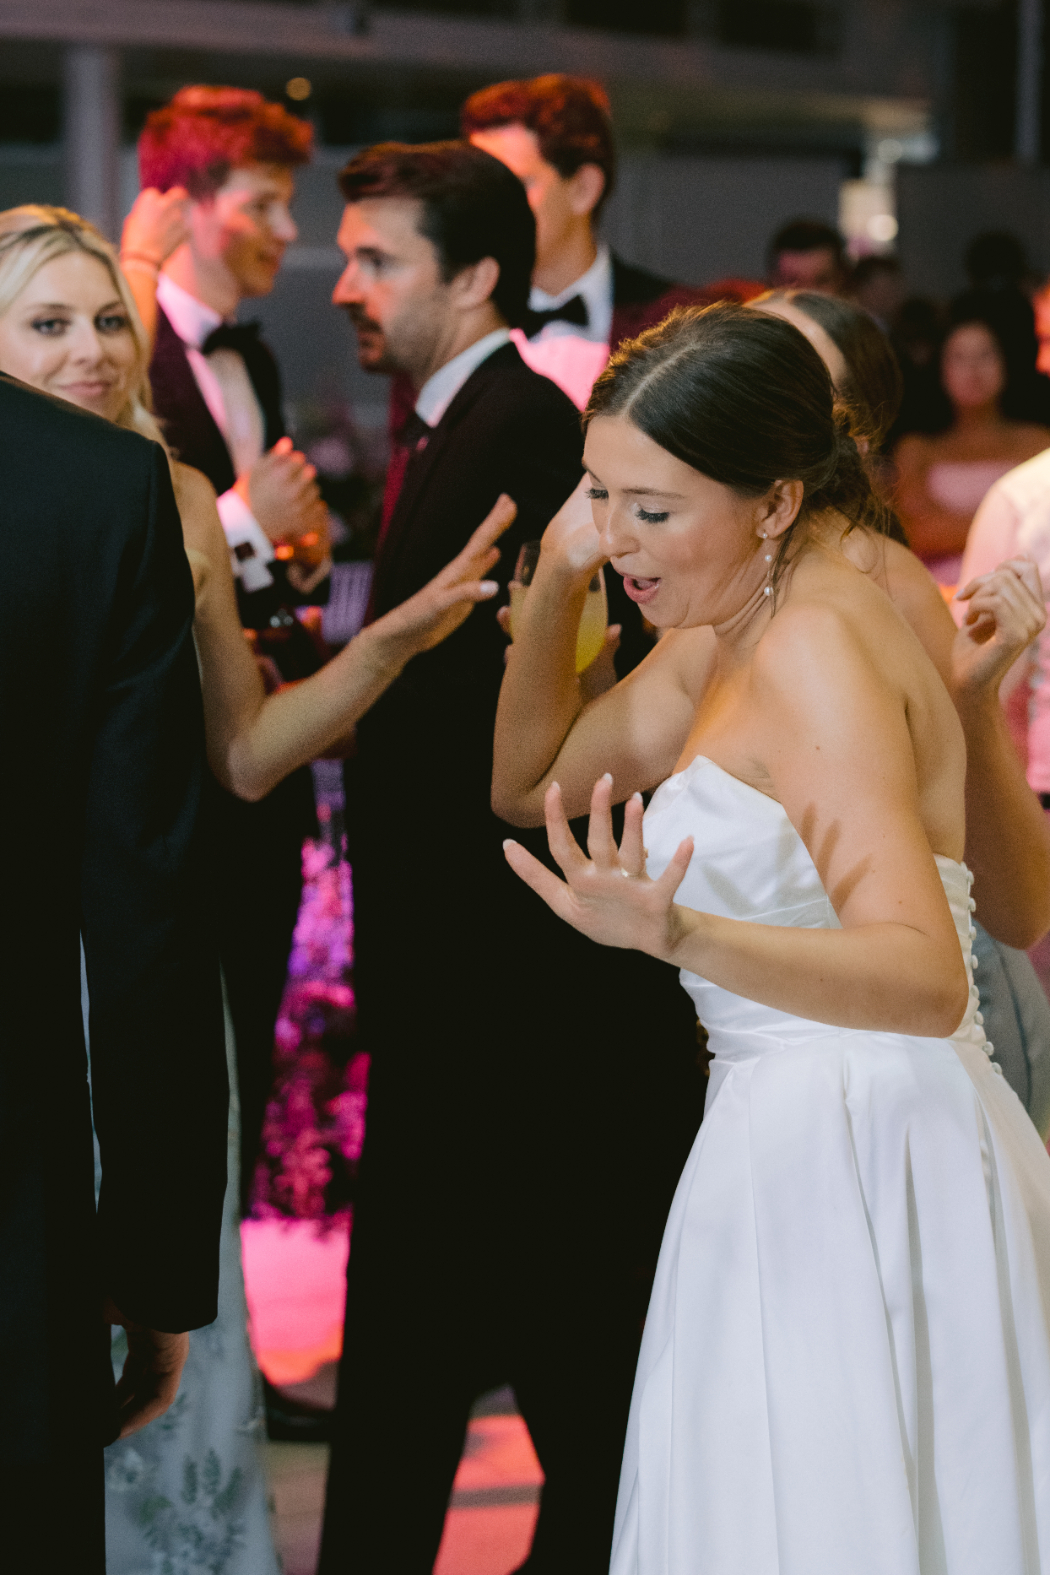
100 714
532 1099
216 388
555 133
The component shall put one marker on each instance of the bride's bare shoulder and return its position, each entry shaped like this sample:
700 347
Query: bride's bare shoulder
826 630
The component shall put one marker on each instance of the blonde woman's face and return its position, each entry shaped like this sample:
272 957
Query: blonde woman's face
69 335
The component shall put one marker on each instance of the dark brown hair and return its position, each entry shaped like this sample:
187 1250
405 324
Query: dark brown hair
569 117
205 132
806 235
742 397
472 207
874 385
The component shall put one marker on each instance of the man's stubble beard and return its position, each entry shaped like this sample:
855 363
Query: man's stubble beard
406 346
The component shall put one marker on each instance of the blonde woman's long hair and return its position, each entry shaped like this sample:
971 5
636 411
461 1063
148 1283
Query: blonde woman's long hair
33 235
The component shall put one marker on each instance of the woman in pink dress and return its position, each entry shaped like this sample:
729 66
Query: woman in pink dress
942 478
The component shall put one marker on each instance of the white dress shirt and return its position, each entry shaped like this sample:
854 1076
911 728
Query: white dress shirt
439 391
595 288
226 389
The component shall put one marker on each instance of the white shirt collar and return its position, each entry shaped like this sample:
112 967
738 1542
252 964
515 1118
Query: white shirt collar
595 289
439 391
190 318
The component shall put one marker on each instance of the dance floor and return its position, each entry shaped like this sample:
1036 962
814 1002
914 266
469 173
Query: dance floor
295 1276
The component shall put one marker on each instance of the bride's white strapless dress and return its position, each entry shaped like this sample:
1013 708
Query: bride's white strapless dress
846 1362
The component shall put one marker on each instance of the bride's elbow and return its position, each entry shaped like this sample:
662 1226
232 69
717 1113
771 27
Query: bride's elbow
946 1003
515 809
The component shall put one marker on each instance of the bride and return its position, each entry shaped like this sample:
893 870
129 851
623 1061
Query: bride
846 1360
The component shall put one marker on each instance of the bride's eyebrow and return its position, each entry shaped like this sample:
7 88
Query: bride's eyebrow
651 492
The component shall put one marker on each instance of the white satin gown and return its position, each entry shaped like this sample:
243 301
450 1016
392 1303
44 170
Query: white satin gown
846 1362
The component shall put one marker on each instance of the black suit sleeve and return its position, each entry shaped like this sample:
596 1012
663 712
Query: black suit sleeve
158 1062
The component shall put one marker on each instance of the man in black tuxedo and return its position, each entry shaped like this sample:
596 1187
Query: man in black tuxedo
531 1101
217 390
555 133
100 712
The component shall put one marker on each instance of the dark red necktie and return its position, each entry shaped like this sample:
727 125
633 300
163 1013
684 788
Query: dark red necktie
412 437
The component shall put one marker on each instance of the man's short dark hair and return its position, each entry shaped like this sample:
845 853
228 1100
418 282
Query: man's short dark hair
807 235
569 117
473 207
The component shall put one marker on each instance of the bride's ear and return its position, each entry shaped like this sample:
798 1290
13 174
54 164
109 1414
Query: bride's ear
778 510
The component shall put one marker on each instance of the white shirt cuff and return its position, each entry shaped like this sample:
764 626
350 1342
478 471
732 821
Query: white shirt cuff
250 547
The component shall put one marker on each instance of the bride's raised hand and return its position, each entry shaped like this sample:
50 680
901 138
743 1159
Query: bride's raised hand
433 613
572 536
608 896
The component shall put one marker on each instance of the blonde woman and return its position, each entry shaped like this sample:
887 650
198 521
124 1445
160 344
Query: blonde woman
69 326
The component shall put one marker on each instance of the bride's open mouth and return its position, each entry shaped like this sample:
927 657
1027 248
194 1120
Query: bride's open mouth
638 589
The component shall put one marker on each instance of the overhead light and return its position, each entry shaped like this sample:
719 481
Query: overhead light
299 88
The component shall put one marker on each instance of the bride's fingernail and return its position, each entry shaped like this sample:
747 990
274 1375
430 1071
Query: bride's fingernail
508 842
490 587
607 777
636 798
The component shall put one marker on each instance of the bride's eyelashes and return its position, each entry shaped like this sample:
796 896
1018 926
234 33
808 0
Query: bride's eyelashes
647 516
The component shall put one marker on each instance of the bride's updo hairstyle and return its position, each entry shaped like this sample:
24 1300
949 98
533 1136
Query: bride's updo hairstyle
744 398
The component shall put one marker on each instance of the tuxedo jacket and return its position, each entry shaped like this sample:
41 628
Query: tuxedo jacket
489 1019
189 425
191 430
243 830
100 713
507 430
642 299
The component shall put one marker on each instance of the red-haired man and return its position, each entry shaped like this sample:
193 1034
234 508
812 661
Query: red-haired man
556 134
215 385
217 389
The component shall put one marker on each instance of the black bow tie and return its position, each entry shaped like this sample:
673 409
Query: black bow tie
574 311
231 336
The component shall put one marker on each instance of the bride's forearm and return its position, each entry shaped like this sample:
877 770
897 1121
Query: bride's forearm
888 978
541 695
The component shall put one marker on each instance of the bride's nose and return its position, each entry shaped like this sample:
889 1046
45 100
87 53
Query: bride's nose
618 537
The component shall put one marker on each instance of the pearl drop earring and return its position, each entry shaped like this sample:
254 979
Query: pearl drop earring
769 559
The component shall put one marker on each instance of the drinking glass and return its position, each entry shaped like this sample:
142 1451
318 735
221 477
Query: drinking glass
593 619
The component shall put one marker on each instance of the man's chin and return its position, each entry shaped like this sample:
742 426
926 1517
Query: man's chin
373 357
257 281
